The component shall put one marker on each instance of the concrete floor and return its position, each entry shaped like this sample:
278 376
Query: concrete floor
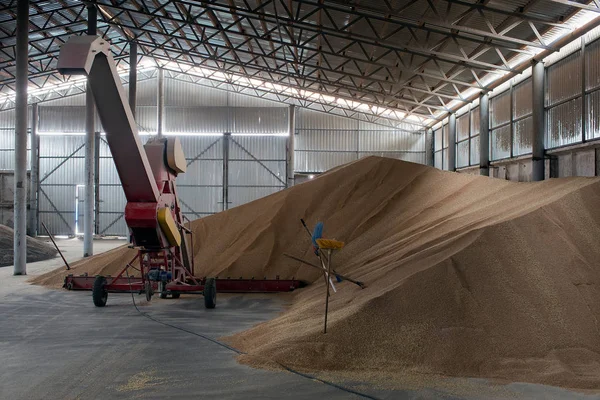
57 345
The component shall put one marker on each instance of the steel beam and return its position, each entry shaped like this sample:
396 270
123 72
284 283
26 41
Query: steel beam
160 98
132 76
538 121
452 142
226 141
291 145
34 176
90 132
484 135
20 188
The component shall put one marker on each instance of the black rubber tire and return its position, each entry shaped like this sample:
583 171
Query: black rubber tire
99 293
163 294
148 290
175 295
210 293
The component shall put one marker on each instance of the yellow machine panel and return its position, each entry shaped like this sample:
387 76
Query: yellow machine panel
175 156
168 226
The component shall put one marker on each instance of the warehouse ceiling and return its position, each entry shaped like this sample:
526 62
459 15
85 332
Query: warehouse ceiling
403 59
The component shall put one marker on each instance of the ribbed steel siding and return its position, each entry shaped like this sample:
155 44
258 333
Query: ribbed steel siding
474 150
262 120
563 79
67 119
308 119
523 131
462 127
564 124
200 188
241 100
462 154
257 167
522 100
7 140
112 198
592 65
185 94
59 187
593 119
318 150
196 119
500 109
500 142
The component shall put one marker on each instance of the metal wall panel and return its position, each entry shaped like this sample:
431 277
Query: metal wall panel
241 100
462 127
179 93
437 160
327 140
474 150
523 134
145 118
563 79
438 139
390 141
61 170
522 99
309 119
500 109
273 120
62 119
564 124
475 121
592 65
500 143
592 130
462 154
196 119
7 140
445 159
146 92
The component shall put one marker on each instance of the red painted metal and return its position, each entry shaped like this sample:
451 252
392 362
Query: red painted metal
122 284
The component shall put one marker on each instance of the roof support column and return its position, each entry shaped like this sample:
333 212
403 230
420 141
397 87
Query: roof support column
452 142
291 144
484 135
20 189
35 173
160 107
226 141
90 142
537 148
132 76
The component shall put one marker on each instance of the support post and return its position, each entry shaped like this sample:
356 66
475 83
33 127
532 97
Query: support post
484 135
97 183
291 144
226 137
35 173
538 120
90 152
132 76
452 142
20 188
160 108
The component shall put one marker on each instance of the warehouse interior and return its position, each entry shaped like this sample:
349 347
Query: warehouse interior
348 199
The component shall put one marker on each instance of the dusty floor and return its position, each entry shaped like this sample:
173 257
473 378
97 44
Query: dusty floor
56 344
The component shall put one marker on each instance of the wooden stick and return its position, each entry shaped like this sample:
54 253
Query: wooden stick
327 296
57 249
361 284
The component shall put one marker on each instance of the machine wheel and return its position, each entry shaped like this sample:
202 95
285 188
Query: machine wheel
210 293
148 290
99 293
175 295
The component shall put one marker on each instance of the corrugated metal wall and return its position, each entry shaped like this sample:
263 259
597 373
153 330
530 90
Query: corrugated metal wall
324 141
200 116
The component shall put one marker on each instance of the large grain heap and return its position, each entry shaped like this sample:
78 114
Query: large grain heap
37 250
467 276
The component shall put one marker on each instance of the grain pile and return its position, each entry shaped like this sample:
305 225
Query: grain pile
37 250
467 276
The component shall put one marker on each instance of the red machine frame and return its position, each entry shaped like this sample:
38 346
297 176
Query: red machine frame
147 173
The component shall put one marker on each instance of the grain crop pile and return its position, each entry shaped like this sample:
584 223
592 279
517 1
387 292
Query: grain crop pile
467 276
37 250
